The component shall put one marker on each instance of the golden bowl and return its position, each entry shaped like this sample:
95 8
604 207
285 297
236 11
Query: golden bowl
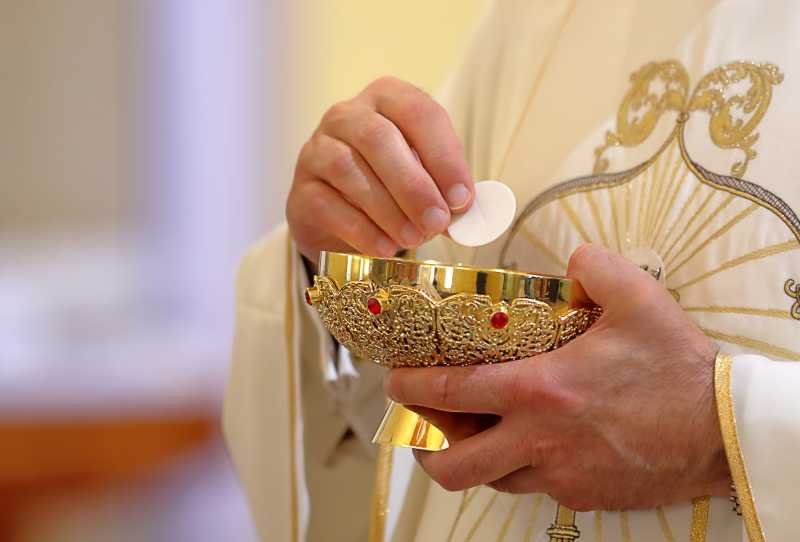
407 313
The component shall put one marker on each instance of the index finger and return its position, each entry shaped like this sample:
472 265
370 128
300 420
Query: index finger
479 389
427 127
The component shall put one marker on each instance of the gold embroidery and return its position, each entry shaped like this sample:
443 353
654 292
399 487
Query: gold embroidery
380 494
466 499
689 225
679 219
792 289
665 529
745 189
481 517
758 254
537 504
507 523
754 344
644 104
716 235
700 229
598 223
750 311
722 387
659 87
613 200
671 185
538 243
563 528
701 508
573 217
735 116
659 185
641 214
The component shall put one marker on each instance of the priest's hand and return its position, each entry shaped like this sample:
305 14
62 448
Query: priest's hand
622 417
382 171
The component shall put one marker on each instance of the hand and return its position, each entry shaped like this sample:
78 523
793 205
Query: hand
622 417
382 171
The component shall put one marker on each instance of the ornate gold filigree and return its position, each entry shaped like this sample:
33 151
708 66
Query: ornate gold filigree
655 88
735 114
792 289
735 95
412 330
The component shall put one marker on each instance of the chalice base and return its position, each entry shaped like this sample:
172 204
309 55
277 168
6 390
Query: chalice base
402 427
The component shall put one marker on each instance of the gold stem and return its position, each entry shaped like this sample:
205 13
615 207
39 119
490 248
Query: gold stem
563 528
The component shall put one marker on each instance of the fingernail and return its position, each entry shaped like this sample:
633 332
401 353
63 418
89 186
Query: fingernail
435 220
386 248
458 196
410 236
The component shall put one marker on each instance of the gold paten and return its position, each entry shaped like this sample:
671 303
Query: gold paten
433 314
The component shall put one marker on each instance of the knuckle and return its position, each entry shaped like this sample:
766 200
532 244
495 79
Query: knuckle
303 195
421 193
355 231
335 112
314 198
419 108
375 133
384 83
306 153
340 162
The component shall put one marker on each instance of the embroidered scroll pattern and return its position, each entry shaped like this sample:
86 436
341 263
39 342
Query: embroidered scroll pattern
735 95
792 289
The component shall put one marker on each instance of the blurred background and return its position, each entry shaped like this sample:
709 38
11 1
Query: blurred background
143 145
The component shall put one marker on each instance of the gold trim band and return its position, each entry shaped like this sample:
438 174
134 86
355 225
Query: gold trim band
727 420
380 494
292 392
441 280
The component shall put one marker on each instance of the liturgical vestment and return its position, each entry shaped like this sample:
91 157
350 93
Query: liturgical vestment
660 128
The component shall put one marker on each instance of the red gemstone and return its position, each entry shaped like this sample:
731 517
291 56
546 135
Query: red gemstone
499 320
374 306
308 298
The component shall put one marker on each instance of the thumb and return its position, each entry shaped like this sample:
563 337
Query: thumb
602 276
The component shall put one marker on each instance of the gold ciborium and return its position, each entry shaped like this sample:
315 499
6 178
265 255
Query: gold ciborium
406 313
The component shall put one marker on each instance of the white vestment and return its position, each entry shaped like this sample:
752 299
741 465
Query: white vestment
696 101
